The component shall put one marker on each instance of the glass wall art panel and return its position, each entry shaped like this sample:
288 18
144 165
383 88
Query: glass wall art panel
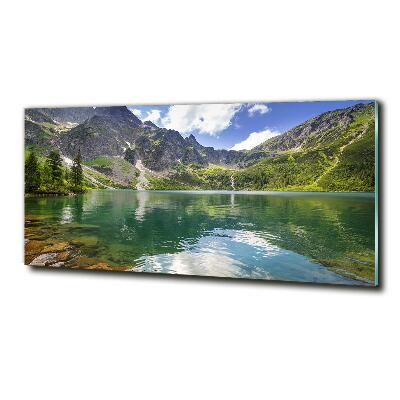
282 191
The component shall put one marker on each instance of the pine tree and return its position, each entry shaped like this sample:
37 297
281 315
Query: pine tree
67 174
32 173
45 174
55 163
77 173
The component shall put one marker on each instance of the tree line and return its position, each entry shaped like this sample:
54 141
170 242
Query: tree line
48 175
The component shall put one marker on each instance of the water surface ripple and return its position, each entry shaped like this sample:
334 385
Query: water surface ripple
259 235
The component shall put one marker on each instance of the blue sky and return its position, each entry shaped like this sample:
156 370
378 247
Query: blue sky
239 126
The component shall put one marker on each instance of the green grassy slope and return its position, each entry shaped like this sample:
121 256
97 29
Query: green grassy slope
345 163
356 168
117 171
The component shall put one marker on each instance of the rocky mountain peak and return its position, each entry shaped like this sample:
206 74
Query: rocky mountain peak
150 124
192 140
68 114
33 114
119 112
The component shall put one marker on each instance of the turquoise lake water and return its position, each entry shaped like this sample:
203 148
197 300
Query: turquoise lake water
278 235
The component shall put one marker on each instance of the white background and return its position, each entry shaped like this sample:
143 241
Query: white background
111 336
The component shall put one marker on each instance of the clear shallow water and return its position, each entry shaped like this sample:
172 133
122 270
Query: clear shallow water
283 236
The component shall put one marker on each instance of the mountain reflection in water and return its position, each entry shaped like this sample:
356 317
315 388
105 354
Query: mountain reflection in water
284 236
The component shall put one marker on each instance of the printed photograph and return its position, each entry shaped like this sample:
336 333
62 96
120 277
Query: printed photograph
281 191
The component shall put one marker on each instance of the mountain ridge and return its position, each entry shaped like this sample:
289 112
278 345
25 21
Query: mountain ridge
116 132
321 125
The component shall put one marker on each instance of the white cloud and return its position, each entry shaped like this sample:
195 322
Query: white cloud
254 139
153 115
207 119
258 108
136 111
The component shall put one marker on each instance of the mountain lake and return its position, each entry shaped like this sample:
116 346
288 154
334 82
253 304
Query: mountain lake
287 236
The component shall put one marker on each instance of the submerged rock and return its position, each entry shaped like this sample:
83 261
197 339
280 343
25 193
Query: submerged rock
44 260
84 262
107 267
51 253
56 247
64 256
93 263
35 247
47 252
89 241
35 218
100 266
38 233
76 225
58 264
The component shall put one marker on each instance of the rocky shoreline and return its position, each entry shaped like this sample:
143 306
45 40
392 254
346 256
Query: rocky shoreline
55 254
50 194
43 251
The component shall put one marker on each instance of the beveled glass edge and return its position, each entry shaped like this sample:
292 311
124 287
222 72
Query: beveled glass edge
376 195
